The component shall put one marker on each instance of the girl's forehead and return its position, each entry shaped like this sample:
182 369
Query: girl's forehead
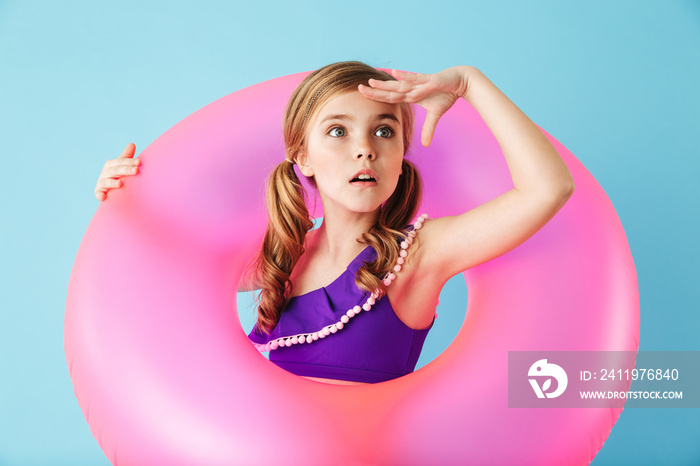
355 105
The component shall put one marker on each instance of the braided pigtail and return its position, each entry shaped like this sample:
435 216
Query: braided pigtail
287 224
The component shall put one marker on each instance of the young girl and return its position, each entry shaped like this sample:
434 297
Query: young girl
353 300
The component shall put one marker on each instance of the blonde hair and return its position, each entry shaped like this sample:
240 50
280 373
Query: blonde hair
288 216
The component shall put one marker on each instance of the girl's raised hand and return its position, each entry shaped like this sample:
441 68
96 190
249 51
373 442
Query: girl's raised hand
113 170
434 92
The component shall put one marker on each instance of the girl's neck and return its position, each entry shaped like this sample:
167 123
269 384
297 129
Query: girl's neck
338 234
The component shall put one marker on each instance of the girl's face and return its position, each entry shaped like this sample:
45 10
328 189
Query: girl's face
354 151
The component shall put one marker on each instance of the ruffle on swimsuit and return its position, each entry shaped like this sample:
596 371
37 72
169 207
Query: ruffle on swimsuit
342 332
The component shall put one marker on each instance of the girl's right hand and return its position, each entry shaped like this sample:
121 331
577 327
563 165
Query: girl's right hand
124 165
436 93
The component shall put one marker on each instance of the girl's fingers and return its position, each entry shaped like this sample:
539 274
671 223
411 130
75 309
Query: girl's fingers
398 86
120 167
404 75
121 170
124 165
398 74
431 121
381 95
416 78
106 184
126 162
385 85
129 151
118 172
392 96
413 88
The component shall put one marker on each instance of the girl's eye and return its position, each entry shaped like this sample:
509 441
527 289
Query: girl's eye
337 132
384 132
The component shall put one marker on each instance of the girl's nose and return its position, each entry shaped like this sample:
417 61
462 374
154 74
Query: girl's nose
365 149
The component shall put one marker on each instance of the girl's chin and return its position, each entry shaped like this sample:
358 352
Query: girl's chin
355 204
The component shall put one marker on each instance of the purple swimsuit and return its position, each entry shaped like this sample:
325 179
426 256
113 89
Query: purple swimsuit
373 346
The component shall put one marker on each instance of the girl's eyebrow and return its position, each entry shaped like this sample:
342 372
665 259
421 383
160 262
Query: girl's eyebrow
335 117
388 116
342 116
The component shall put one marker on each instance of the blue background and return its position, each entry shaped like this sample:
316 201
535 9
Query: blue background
615 82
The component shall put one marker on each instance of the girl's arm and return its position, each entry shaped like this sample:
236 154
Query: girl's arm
542 182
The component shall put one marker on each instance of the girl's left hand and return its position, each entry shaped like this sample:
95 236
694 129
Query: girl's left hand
434 92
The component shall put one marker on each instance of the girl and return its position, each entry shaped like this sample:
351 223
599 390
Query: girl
347 128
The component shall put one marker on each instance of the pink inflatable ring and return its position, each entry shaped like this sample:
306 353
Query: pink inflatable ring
164 372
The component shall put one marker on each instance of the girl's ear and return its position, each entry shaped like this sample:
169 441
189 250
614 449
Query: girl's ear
303 164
